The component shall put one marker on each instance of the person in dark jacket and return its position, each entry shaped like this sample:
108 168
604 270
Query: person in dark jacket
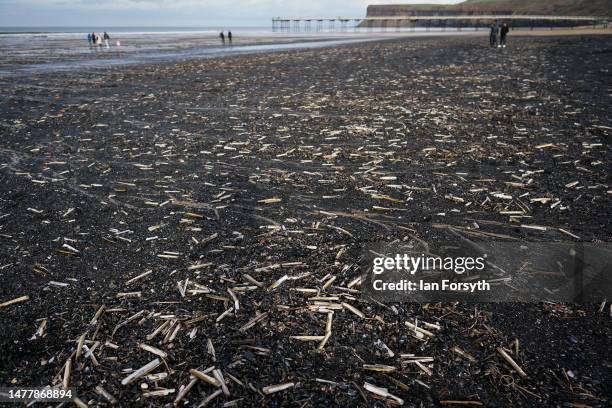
493 35
222 36
503 34
229 36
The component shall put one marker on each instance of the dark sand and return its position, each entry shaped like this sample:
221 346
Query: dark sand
126 164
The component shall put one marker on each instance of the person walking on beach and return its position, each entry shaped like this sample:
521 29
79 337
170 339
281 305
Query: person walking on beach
222 36
106 38
493 35
229 36
503 34
96 40
89 39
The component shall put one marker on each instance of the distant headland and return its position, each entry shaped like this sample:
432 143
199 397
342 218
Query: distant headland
523 7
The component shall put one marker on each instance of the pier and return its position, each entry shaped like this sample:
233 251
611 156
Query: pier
308 24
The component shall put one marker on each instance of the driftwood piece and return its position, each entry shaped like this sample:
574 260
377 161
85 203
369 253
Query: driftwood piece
511 361
142 371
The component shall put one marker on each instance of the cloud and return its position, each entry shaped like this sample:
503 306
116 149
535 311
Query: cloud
198 5
175 12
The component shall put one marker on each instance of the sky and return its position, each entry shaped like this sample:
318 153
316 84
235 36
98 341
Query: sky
177 13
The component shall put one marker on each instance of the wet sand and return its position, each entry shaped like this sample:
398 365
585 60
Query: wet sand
562 32
52 52
164 204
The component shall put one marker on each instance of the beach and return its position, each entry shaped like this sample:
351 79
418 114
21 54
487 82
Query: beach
212 212
26 51
44 51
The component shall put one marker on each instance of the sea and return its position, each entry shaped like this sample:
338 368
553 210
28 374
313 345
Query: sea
26 50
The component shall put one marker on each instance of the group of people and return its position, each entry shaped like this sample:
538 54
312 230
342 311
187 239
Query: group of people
222 36
95 39
500 32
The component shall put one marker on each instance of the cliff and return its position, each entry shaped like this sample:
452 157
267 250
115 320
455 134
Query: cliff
540 7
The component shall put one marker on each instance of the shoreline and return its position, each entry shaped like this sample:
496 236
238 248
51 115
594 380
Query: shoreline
177 51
